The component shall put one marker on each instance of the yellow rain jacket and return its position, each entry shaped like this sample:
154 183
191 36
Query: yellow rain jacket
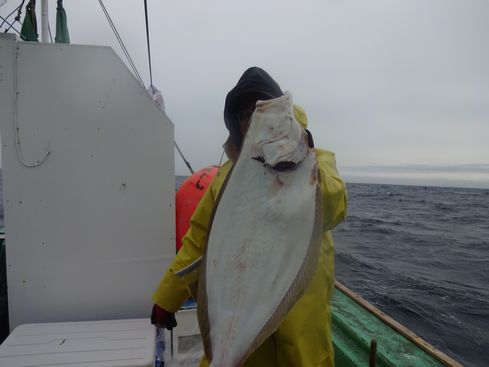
304 337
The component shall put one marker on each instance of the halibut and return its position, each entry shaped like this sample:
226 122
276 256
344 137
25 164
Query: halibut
264 239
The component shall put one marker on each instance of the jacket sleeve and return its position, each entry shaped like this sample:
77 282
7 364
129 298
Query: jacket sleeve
333 190
173 290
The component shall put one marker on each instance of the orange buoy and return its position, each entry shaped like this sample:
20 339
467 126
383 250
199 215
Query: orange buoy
188 197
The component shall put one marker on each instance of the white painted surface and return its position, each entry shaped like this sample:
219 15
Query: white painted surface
44 21
91 230
121 343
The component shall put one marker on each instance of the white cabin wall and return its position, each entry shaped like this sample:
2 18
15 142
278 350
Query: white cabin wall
91 230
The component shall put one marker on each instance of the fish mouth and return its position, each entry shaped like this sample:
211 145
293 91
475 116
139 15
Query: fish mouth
279 166
285 166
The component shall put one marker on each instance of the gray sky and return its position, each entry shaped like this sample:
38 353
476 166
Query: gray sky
399 90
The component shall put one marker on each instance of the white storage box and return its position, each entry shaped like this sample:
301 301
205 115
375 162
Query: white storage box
117 343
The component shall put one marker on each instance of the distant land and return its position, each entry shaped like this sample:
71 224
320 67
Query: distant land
462 175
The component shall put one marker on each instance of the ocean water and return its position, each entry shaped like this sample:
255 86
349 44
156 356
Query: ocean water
421 254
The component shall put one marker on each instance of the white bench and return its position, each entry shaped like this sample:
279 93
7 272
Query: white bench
116 343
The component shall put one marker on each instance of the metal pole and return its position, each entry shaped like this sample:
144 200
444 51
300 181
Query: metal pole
44 21
372 360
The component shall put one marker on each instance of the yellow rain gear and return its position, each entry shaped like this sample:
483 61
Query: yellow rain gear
304 337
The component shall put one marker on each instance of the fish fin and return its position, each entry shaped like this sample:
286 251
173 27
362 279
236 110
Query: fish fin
203 315
300 283
202 310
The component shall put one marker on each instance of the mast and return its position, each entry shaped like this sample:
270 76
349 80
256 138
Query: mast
44 21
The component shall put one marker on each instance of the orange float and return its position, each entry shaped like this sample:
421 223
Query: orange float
188 197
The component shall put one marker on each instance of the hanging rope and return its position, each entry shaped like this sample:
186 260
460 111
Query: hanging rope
18 147
121 43
11 25
220 163
186 162
16 19
12 12
147 41
50 34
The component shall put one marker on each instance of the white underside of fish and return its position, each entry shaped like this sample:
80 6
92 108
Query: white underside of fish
264 240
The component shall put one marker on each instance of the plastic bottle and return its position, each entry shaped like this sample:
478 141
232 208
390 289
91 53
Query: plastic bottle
160 348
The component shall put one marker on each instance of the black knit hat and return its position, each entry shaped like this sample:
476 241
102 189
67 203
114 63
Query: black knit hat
254 84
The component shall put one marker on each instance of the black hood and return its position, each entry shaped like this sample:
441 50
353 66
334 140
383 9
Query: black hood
254 84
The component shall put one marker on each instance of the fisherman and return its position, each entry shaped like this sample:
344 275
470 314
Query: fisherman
304 336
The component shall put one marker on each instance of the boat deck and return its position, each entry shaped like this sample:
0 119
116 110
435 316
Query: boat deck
355 324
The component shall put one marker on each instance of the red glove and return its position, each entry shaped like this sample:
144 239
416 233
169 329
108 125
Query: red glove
162 318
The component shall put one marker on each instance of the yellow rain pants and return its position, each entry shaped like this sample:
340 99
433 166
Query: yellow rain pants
304 338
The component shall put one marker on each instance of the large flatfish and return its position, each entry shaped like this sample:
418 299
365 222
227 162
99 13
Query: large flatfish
265 236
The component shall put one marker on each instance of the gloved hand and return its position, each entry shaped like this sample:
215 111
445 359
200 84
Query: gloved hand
163 318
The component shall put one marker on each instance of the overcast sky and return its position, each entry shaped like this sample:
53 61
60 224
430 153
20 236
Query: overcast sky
387 85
